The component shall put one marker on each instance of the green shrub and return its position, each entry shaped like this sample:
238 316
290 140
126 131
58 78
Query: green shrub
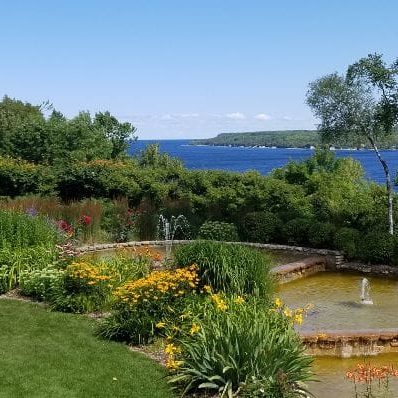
321 234
19 177
217 230
142 304
98 178
243 347
296 231
41 283
348 241
15 261
87 284
377 247
22 230
229 268
260 226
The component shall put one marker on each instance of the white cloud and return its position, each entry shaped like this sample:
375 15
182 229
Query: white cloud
287 118
188 115
167 117
236 116
262 116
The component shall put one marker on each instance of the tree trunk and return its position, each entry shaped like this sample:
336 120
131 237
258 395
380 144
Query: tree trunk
388 185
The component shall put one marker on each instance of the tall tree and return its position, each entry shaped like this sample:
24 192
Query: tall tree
117 133
362 103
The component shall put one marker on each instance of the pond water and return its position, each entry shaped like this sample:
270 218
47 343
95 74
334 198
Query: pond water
336 305
330 373
335 298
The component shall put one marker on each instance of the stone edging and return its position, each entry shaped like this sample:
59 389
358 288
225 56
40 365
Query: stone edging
270 246
349 343
299 269
382 270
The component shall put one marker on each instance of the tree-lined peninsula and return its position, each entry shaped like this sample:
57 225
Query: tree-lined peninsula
292 139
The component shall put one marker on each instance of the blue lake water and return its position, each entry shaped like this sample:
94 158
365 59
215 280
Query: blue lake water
261 159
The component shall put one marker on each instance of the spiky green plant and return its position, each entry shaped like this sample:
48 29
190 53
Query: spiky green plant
228 268
243 348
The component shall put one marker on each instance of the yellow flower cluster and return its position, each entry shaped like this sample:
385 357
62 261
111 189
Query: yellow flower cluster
171 351
195 328
219 302
146 251
87 272
296 315
170 283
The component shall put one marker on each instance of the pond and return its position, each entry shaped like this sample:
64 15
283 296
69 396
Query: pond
335 300
331 371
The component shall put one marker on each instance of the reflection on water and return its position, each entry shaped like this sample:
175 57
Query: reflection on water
331 372
336 301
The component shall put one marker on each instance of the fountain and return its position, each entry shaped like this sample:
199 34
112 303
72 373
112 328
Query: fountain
365 289
167 229
344 328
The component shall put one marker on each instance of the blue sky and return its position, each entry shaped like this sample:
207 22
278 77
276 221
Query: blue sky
185 69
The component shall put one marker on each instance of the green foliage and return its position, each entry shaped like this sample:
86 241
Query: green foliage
152 157
348 240
228 268
41 283
260 226
15 261
363 104
22 230
377 247
26 134
142 304
88 285
321 234
243 348
218 230
296 231
19 177
98 178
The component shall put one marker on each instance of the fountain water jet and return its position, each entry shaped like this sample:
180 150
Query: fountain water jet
365 292
167 229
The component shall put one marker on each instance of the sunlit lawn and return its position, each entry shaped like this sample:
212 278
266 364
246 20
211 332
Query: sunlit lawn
48 354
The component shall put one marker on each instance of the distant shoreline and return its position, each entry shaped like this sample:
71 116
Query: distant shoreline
311 148
294 139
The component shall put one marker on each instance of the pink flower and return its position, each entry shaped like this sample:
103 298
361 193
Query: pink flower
85 219
65 226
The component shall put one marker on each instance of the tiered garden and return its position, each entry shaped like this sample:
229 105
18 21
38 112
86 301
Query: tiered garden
209 313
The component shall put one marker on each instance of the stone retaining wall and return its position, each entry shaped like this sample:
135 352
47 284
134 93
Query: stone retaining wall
299 269
381 270
351 343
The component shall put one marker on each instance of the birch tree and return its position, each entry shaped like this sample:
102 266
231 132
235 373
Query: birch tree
361 104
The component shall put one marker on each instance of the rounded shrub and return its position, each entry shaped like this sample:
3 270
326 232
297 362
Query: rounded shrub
321 234
377 247
260 226
217 230
348 240
228 268
296 231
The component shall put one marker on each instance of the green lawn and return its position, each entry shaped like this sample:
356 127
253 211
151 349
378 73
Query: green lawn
47 354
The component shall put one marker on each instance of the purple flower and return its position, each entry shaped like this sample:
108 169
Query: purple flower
31 211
